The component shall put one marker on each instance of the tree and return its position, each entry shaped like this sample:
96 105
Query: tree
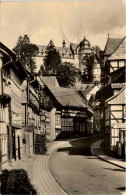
88 61
52 59
67 74
26 52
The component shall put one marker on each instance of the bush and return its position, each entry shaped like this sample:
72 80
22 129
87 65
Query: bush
16 182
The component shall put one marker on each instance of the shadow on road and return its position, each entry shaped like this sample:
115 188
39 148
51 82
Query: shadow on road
80 147
121 170
121 188
83 151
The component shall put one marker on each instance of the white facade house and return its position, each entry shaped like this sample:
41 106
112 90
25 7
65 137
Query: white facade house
11 131
115 118
118 57
115 53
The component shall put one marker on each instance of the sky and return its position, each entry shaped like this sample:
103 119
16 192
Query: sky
58 20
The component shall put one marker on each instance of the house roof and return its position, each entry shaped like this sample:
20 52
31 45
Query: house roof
89 90
119 98
79 86
50 80
111 45
67 97
119 74
7 50
120 51
9 54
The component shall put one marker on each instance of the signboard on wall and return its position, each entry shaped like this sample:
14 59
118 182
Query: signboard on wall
124 112
118 85
119 125
74 113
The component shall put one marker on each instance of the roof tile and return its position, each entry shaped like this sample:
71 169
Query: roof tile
67 97
111 45
120 52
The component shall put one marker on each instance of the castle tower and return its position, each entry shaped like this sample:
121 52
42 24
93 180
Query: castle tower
83 50
96 71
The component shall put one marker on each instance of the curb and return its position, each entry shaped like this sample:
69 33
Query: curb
94 154
50 156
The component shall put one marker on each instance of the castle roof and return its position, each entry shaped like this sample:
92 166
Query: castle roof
73 46
84 43
63 51
96 64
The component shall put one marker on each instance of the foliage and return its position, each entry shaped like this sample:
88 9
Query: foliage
26 52
89 60
40 144
67 74
52 59
16 182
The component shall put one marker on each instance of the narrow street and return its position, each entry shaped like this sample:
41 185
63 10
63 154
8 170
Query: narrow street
79 172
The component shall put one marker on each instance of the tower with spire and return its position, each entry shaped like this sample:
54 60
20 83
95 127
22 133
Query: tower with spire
64 43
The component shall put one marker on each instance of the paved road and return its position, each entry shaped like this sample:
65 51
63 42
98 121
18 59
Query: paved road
78 172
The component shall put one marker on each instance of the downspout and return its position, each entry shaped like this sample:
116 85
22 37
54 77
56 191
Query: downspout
28 89
28 94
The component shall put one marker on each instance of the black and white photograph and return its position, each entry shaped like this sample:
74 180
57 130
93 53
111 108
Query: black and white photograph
62 97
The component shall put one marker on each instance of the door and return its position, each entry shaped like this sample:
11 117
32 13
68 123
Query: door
19 154
13 145
0 155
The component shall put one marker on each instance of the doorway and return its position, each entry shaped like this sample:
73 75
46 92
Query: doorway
13 145
19 153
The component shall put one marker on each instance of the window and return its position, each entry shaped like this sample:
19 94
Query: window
1 113
67 124
58 121
121 63
124 112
